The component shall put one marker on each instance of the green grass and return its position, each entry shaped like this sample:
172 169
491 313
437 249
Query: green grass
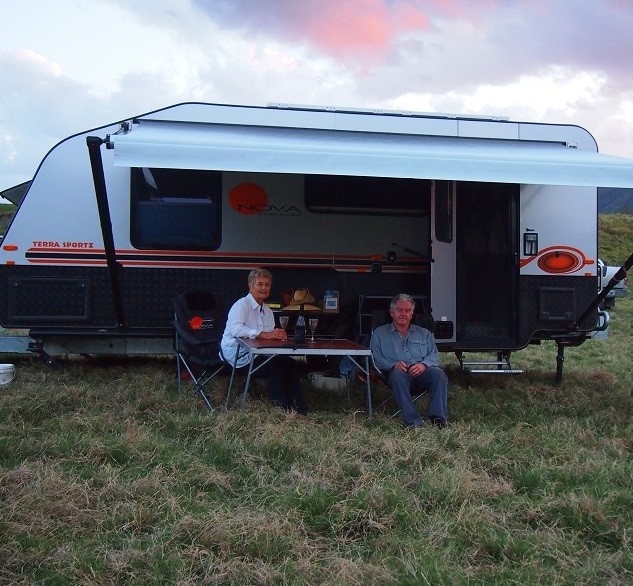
616 237
6 213
109 476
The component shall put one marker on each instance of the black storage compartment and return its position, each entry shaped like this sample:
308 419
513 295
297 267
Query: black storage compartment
48 300
557 304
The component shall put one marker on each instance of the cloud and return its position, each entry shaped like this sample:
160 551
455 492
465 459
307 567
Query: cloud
405 45
339 28
105 60
44 105
35 110
458 41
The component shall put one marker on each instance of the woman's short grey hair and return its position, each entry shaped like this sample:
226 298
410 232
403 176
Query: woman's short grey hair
402 297
257 273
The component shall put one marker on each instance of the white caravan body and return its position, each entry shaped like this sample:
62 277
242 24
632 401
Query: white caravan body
490 223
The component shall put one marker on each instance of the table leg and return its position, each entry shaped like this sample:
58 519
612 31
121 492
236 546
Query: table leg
365 371
248 380
369 407
228 392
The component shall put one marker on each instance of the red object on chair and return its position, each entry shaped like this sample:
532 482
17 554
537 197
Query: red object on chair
195 322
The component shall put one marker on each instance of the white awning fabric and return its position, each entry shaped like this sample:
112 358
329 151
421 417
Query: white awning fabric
186 145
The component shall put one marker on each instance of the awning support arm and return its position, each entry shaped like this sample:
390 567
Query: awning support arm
114 268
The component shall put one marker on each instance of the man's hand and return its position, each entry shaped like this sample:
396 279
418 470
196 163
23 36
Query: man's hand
402 365
416 369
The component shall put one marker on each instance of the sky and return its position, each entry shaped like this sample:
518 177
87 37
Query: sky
71 65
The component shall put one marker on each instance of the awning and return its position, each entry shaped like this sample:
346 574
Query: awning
185 145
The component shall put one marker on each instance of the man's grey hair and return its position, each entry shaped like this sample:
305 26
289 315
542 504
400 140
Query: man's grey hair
402 297
257 273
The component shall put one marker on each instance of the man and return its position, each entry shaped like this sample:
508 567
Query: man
250 317
408 357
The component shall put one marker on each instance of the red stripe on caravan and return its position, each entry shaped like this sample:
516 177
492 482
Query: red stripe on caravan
267 257
217 265
225 260
66 261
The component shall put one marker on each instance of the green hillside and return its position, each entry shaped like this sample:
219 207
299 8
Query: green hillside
615 237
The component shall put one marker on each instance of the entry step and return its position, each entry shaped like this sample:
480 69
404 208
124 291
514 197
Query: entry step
494 370
500 366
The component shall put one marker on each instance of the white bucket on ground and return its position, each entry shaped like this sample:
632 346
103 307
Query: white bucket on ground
7 372
327 381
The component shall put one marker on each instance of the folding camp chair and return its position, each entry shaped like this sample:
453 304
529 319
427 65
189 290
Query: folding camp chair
422 318
198 324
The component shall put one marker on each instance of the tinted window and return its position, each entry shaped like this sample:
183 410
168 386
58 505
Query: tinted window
176 209
369 195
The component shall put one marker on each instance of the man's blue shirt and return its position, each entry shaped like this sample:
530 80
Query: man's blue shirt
389 347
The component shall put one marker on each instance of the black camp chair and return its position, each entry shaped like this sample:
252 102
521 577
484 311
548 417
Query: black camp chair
198 326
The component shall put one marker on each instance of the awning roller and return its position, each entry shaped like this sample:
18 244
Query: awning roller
186 145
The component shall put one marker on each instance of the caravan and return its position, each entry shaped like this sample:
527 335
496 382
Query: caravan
491 223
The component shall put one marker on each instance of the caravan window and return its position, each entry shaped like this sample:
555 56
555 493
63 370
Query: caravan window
392 196
175 208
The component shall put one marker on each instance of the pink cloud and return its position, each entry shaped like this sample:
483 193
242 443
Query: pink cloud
334 26
343 26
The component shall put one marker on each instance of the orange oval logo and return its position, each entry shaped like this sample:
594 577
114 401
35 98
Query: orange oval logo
559 261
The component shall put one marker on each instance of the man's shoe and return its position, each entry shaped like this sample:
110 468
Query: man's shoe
438 422
413 425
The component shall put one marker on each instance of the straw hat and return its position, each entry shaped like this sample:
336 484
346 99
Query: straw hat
302 297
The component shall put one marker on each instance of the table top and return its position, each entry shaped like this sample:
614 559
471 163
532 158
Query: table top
324 347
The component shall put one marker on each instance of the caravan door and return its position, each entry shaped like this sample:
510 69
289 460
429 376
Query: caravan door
474 273
486 264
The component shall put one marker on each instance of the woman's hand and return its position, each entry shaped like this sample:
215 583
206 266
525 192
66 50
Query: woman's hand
276 334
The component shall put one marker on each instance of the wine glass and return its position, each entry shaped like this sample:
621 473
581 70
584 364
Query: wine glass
314 322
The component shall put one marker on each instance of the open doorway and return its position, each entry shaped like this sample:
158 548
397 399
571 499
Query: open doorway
486 267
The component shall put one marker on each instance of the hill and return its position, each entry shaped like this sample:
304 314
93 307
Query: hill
612 200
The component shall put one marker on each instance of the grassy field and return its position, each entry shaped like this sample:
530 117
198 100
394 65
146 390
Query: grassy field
109 476
6 213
